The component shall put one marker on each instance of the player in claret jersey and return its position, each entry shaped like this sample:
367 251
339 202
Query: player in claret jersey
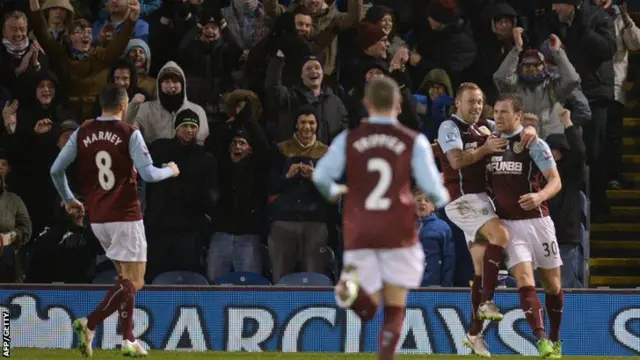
382 258
107 150
464 146
516 178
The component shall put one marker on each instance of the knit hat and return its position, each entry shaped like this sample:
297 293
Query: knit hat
369 34
306 59
442 14
306 110
532 56
187 116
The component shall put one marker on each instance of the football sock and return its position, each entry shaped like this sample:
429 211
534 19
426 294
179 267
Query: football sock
530 305
493 256
390 332
119 292
364 306
554 305
476 295
125 318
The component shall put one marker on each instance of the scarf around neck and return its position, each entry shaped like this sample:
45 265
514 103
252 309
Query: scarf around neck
16 50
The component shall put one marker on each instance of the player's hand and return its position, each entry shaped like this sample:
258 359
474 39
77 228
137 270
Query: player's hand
293 170
342 190
75 207
529 136
530 201
43 126
138 98
174 167
494 144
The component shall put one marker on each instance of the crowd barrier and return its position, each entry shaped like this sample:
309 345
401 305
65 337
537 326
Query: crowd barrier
605 323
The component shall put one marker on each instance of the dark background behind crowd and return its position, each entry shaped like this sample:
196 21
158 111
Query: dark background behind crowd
246 96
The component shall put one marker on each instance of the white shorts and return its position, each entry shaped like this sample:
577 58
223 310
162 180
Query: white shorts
123 240
402 267
532 240
469 212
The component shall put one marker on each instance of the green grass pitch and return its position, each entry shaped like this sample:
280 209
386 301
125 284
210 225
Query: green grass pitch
50 354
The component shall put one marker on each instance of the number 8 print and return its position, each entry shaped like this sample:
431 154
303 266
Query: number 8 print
106 178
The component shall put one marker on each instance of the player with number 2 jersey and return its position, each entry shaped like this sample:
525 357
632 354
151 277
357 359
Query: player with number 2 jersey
382 257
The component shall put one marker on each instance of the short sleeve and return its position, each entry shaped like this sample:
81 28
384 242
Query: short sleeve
449 136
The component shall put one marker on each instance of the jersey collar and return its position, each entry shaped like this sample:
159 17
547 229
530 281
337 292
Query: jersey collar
381 120
517 132
108 118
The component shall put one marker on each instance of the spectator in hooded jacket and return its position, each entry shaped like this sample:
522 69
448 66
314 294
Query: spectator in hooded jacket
436 239
156 118
59 18
569 152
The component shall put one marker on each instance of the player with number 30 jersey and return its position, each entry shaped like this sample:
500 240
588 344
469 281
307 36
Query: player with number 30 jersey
382 258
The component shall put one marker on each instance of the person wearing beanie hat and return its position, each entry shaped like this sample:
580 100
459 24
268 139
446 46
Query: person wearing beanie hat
373 40
188 118
441 16
139 53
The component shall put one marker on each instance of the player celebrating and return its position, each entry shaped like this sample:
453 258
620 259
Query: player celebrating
464 146
382 254
515 178
107 150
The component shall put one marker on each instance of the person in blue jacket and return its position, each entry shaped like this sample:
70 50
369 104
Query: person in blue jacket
436 239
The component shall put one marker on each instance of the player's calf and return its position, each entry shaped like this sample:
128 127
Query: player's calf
390 332
498 237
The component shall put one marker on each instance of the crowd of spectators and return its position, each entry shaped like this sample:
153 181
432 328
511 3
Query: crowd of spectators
270 84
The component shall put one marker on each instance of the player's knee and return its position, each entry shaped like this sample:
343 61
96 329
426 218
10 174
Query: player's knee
552 287
524 279
499 235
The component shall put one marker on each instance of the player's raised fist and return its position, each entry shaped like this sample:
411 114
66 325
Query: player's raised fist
75 207
171 165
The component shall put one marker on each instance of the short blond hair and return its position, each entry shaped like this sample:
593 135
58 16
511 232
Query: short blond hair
382 93
467 86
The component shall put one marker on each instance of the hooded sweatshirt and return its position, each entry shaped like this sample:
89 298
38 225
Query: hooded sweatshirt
156 118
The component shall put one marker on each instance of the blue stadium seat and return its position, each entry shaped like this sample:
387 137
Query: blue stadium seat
305 279
584 205
180 278
242 278
107 277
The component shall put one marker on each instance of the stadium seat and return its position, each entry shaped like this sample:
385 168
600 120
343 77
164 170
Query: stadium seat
180 278
107 277
305 279
241 278
332 264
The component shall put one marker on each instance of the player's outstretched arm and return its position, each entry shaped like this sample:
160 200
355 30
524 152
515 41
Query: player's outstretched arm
58 170
426 174
330 168
144 164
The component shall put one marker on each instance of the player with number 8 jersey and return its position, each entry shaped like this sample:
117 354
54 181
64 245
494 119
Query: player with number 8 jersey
108 152
383 257
109 176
